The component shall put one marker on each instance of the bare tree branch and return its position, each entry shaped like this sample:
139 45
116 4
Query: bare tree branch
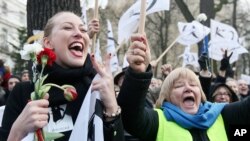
184 10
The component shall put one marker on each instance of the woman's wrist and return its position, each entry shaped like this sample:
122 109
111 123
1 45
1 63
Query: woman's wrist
15 134
111 109
205 73
112 113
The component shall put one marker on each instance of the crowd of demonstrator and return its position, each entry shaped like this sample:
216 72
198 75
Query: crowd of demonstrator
185 103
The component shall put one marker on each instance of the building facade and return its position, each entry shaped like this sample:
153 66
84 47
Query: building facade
12 17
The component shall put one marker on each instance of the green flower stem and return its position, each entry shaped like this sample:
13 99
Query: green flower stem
40 76
54 85
39 79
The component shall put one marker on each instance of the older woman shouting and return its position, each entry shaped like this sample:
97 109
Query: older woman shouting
182 113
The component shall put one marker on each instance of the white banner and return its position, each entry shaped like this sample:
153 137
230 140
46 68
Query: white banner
91 4
98 55
189 57
224 37
191 33
125 62
114 64
84 13
217 52
1 114
129 21
85 116
223 33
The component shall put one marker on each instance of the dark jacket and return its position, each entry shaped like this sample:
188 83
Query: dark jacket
80 78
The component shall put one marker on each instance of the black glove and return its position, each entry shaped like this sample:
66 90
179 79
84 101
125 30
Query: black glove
203 61
225 61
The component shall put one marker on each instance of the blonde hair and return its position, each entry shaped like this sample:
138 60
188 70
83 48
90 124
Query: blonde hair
51 22
169 81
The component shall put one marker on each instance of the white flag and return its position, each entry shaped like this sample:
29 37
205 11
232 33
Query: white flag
91 4
223 34
98 56
224 37
216 53
129 21
189 57
114 64
87 116
111 42
216 50
84 13
191 33
1 114
125 62
236 52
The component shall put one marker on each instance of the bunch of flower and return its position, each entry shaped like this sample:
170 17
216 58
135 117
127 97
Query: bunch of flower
44 56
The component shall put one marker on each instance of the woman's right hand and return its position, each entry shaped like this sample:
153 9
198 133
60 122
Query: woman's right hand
93 27
33 117
105 84
166 69
138 54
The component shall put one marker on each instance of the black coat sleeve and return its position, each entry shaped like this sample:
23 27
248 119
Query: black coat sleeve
139 121
236 113
17 100
205 84
113 130
220 79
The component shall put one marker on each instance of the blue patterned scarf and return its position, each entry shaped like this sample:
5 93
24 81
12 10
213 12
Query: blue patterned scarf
203 119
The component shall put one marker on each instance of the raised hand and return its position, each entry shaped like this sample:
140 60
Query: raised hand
105 85
138 55
225 61
93 27
203 61
166 69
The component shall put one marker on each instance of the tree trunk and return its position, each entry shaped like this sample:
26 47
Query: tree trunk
207 7
234 17
39 11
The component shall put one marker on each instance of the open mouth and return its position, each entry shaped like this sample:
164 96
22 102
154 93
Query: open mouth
188 101
76 49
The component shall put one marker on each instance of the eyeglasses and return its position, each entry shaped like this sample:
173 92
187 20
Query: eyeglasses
222 94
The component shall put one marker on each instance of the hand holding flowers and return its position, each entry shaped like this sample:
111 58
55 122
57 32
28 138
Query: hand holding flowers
44 56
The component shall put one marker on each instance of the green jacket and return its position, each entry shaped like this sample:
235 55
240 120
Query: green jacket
171 131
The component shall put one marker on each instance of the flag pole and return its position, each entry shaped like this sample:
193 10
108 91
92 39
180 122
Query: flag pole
95 16
166 50
142 17
120 46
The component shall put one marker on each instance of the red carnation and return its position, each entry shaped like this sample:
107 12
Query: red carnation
46 55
